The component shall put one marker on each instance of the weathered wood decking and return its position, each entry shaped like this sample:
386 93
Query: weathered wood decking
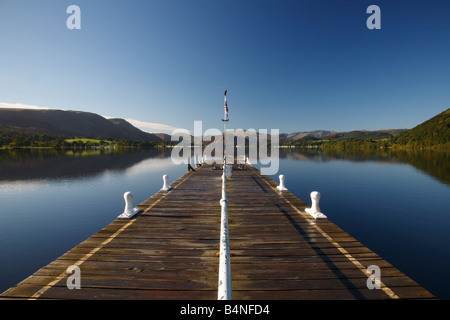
170 250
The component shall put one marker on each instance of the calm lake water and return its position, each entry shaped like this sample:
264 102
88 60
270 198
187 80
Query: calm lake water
396 203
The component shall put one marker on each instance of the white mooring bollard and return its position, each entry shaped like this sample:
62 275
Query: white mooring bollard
315 209
129 210
166 186
281 187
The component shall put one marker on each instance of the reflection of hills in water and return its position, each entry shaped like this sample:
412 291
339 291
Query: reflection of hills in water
47 164
54 164
434 163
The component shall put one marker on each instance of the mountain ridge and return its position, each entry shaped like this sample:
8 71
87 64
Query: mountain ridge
87 124
72 124
337 135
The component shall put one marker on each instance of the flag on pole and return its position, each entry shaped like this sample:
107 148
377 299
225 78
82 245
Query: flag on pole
226 107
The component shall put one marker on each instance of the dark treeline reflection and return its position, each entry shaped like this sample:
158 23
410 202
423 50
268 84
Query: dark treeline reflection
25 164
434 163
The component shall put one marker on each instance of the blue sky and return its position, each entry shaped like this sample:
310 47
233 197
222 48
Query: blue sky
288 65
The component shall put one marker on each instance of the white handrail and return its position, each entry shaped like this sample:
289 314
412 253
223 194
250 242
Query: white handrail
224 288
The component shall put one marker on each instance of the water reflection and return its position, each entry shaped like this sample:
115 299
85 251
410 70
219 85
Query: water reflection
434 163
34 164
30 164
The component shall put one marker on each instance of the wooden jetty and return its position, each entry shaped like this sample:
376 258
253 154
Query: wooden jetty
170 250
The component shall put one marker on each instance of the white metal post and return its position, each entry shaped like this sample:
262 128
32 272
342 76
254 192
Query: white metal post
224 287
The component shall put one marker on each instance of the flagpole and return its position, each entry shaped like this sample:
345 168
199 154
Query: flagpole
225 120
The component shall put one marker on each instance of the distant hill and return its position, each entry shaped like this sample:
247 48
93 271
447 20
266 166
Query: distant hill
163 136
132 131
363 134
333 135
299 135
433 132
71 124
